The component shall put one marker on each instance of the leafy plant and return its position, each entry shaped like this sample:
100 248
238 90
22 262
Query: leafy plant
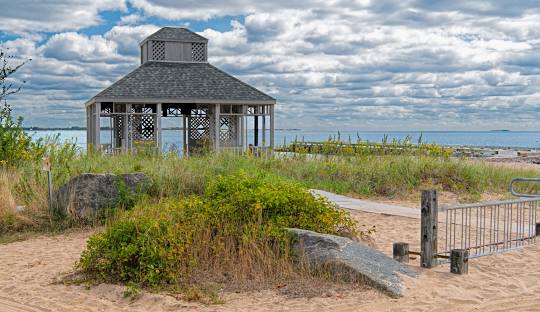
236 229
15 144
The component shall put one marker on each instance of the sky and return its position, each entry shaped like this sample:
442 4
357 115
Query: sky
331 65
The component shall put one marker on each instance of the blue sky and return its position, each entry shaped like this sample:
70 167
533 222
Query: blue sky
341 64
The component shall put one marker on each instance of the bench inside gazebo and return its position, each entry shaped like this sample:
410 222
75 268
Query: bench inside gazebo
217 110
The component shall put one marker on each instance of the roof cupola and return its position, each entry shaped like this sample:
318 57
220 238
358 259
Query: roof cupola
171 44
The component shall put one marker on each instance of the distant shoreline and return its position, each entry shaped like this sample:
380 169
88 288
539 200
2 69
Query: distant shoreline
109 128
77 128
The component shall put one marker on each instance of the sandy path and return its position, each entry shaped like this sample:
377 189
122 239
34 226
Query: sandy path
503 282
29 268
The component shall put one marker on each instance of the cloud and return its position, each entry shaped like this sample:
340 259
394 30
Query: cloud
130 19
28 16
127 38
339 64
74 46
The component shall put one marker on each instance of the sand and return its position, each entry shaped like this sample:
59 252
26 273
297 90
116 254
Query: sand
511 281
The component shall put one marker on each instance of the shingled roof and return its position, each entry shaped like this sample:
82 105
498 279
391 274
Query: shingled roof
182 81
175 34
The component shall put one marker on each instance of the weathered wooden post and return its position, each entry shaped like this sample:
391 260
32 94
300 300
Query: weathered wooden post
401 252
429 226
459 261
537 232
47 168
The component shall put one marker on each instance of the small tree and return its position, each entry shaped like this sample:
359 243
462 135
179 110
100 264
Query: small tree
14 142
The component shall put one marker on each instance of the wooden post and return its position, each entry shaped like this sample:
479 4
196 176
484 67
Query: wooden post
217 126
159 113
272 127
263 128
459 261
537 232
429 226
46 166
401 252
242 131
256 129
238 132
126 145
185 134
88 127
97 129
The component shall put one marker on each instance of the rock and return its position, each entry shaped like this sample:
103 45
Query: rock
350 260
84 197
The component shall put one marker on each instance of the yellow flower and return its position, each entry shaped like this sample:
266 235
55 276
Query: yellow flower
258 205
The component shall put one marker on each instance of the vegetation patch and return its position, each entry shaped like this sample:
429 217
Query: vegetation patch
387 176
233 233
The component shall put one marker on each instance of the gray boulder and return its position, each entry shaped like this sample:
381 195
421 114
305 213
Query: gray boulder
350 260
85 196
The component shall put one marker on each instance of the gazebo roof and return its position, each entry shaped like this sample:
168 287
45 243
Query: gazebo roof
175 34
184 83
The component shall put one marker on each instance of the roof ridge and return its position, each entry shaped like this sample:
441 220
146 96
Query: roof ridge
186 31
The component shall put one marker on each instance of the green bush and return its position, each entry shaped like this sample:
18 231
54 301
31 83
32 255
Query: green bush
15 144
273 202
237 227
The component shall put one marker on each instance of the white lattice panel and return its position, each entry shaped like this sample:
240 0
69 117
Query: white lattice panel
227 130
158 50
198 52
199 128
142 127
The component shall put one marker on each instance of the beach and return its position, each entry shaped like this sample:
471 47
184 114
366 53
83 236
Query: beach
269 156
32 274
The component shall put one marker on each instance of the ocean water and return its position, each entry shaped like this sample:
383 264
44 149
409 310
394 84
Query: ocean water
522 139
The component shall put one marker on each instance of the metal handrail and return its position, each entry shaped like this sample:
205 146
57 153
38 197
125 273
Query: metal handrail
490 203
514 193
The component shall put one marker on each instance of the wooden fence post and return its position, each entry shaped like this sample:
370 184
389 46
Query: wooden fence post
429 227
46 166
401 252
459 261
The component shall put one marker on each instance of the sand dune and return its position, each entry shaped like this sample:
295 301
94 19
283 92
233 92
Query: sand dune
510 281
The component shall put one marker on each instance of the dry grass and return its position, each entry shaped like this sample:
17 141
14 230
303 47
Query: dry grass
8 203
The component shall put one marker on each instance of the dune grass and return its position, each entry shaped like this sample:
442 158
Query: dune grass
387 176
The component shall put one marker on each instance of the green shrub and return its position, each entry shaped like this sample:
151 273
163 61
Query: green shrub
235 230
273 202
15 144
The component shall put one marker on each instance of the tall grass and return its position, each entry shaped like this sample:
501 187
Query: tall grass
389 176
7 199
336 146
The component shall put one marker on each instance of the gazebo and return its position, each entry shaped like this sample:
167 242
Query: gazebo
176 80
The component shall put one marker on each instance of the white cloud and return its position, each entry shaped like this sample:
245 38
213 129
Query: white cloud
127 38
130 19
27 16
331 64
74 46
